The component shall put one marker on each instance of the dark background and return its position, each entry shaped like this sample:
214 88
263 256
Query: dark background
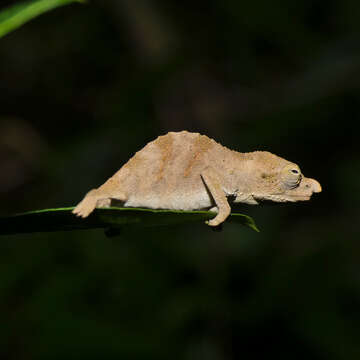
85 86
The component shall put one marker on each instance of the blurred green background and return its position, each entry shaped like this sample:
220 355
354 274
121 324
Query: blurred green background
85 86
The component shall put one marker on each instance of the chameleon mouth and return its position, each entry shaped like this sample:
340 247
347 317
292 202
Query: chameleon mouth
300 197
283 197
289 196
295 198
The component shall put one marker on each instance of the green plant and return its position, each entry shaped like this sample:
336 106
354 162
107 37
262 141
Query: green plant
110 219
15 16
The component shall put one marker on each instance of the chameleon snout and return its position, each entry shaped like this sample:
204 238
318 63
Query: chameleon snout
314 185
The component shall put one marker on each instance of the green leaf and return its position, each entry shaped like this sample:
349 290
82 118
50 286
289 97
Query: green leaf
14 16
108 218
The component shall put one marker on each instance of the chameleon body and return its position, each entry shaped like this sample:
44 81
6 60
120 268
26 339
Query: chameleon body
189 171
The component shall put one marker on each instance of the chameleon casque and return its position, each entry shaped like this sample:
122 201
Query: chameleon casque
189 171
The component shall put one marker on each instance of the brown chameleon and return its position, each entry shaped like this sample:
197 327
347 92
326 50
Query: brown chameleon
189 171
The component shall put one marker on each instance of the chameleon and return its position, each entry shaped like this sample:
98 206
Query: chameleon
190 171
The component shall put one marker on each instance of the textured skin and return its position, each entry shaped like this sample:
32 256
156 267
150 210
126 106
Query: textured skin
189 171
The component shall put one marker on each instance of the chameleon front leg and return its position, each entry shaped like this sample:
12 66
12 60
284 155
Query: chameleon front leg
212 182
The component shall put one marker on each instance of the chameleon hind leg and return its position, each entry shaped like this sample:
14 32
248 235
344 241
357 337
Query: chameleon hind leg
96 198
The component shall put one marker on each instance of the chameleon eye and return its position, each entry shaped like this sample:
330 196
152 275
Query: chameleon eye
291 176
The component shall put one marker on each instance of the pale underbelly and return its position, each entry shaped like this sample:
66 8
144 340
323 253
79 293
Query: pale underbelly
176 201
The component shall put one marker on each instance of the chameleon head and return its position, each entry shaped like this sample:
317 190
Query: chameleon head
282 181
294 186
